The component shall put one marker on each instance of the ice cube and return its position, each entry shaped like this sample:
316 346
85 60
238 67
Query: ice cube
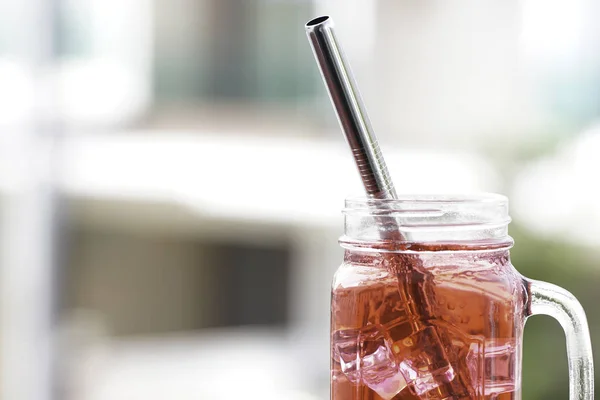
346 346
423 361
475 365
366 357
492 365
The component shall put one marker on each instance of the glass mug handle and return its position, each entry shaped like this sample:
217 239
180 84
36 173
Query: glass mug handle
548 299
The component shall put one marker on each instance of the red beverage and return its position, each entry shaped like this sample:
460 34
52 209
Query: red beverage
443 324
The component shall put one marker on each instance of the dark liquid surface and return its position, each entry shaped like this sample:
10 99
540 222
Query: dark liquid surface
437 325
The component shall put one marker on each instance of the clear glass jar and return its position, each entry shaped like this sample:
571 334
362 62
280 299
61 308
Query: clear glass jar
427 304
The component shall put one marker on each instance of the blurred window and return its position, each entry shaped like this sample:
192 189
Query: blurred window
253 286
232 50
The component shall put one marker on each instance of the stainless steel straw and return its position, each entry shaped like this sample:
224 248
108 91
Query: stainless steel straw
350 109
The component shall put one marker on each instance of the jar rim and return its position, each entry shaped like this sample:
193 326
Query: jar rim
358 201
429 206
428 218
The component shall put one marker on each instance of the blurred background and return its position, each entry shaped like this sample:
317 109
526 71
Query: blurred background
172 175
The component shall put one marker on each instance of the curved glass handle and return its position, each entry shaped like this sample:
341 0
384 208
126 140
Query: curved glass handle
548 299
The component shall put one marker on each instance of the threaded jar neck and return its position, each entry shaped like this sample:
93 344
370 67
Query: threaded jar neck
427 223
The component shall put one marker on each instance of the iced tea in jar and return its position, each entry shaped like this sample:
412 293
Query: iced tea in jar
427 305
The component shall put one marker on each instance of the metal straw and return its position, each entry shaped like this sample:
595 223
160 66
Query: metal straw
350 109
